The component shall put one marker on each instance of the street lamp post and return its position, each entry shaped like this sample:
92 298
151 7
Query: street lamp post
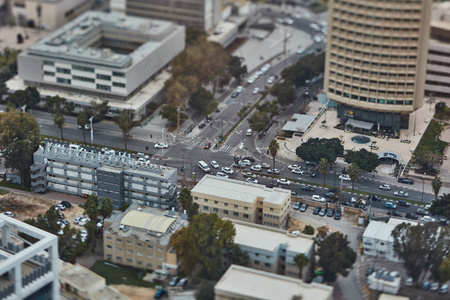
423 185
92 130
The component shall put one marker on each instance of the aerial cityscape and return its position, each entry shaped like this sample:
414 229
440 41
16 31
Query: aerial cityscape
225 149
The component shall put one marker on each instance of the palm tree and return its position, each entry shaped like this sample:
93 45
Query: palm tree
83 120
125 121
58 119
436 184
301 261
273 149
353 172
324 166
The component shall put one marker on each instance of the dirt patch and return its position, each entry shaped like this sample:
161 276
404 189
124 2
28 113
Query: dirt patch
295 225
134 292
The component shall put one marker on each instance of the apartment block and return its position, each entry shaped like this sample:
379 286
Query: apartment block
376 60
377 240
199 14
140 236
27 271
271 249
121 178
244 201
241 283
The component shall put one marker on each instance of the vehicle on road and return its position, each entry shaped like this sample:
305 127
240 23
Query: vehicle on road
412 216
298 171
318 198
234 95
317 38
288 21
427 219
252 180
271 80
245 162
300 50
214 164
249 132
358 199
406 180
404 203
227 170
283 181
256 90
221 174
256 168
422 212
297 205
273 171
304 207
251 80
390 205
86 127
374 198
308 188
316 210
207 145
249 174
265 166
394 213
239 89
8 214
323 211
386 187
344 177
401 194
161 146
293 167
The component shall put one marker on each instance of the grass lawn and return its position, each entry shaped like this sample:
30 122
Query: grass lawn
430 140
117 274
13 186
3 192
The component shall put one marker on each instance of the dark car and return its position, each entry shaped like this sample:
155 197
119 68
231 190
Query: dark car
360 206
394 213
250 158
337 215
422 211
323 212
201 125
311 163
406 180
234 95
160 293
294 194
174 281
329 194
207 145
330 212
403 203
346 203
334 190
308 188
304 207
443 221
411 216
374 198
297 205
369 271
66 204
316 210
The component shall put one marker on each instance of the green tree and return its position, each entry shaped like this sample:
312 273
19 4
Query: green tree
258 121
444 269
301 261
269 107
309 230
201 101
436 184
97 110
235 68
125 121
107 207
185 198
284 92
83 120
335 256
315 149
203 241
206 291
57 104
441 207
353 173
323 168
91 207
193 35
273 149
29 97
58 119
366 160
192 211
170 113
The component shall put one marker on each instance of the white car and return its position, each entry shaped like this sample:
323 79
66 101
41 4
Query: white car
427 219
77 220
142 160
249 174
280 20
60 207
252 180
161 146
292 167
83 233
355 200
317 38
300 50
256 91
214 164
83 221
265 166
256 168
271 80
283 181
318 198
100 224
221 174
298 171
227 170
251 80
245 162
273 171
61 224
401 194
289 21
239 89
344 177
386 187
8 214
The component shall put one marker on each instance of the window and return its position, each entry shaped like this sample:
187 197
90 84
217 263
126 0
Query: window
108 238
48 73
216 202
81 68
119 240
216 210
139 244
118 74
108 246
235 206
205 207
118 84
103 77
235 214
256 262
139 253
85 79
48 63
206 200
246 216
63 70
225 212
149 246
267 265
63 80
119 257
103 87
129 260
226 204
196 198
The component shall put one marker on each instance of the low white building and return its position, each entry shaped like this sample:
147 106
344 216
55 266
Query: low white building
377 240
382 281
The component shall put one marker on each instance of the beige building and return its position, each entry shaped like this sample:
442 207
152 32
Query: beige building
272 249
376 60
248 284
54 13
140 236
244 201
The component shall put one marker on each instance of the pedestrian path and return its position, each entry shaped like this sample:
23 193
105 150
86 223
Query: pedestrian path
200 143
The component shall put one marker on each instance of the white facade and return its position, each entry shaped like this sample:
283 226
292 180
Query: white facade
377 240
381 281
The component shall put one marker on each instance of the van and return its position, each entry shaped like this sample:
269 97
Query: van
204 166
75 147
249 132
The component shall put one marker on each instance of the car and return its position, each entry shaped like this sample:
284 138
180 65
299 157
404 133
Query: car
426 285
214 164
401 194
427 219
444 289
256 168
252 180
174 281
318 198
283 181
390 205
61 224
60 207
406 180
294 194
100 224
160 293
412 216
249 174
323 211
317 38
280 20
394 213
298 171
310 163
77 220
83 221
255 90
234 95
304 207
142 160
374 198
251 80
403 203
239 89
207 145
313 174
273 171
86 127
308 188
238 166
409 282
227 170
201 125
66 204
337 215
288 21
374 147
434 286
161 146
386 187
293 167
300 50
331 212
344 177
221 174
443 221
297 205
358 199
346 203
245 162
330 194
422 212
360 206
265 166
316 210
182 282
250 158
65 222
8 214
315 26
271 80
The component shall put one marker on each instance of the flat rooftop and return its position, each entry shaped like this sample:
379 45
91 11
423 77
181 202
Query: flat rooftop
246 283
379 230
239 190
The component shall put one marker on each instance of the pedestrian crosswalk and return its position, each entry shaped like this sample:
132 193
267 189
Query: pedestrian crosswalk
200 143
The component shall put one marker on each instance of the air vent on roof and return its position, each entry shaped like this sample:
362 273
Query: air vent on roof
106 52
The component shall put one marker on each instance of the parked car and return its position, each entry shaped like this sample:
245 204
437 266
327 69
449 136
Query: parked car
323 211
409 282
294 194
337 215
265 166
255 90
412 216
427 219
443 221
308 188
66 204
426 285
214 164
331 212
239 89
390 205
403 203
358 199
283 181
83 221
297 205
293 167
394 213
316 210
60 207
386 187
182 282
8 214
77 220
249 174
256 168
298 171
401 194
406 180
227 170
434 286
304 207
252 180
444 289
273 171
221 174
160 293
174 281
318 198
422 211
271 80
344 177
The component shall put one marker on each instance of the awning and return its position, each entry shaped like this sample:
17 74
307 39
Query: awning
359 124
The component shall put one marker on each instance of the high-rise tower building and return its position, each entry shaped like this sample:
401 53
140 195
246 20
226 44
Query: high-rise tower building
376 59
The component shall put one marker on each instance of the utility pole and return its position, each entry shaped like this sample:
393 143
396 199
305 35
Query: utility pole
178 120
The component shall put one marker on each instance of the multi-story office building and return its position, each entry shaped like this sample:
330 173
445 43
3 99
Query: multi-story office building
376 60
236 199
140 237
105 56
199 14
53 13
27 272
121 178
248 284
272 249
